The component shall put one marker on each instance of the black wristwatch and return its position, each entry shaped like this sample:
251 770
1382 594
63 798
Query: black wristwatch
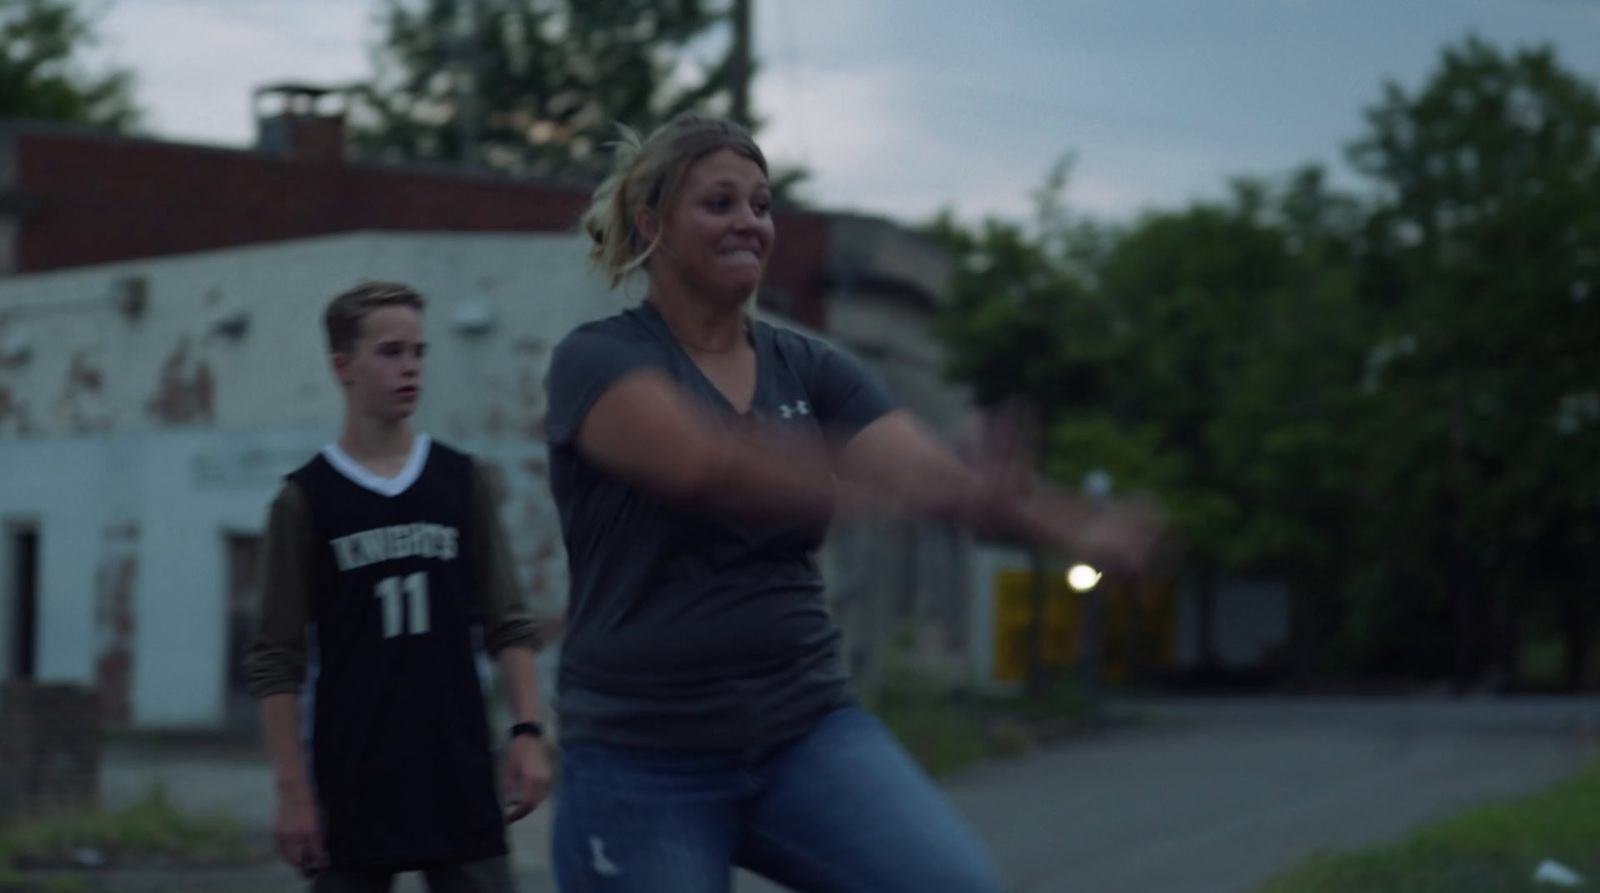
527 728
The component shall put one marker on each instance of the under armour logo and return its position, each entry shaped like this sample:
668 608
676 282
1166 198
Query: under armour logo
799 407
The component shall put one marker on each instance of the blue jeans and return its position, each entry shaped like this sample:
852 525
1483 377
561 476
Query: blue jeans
842 809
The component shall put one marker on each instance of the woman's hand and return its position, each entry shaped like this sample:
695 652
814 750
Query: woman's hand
1116 535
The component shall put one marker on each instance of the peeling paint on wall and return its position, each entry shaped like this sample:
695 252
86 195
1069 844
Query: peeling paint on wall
535 535
81 408
494 425
516 410
496 477
13 414
114 622
530 397
536 568
541 562
184 391
15 362
82 375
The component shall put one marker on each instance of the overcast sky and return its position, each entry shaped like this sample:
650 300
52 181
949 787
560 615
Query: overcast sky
902 107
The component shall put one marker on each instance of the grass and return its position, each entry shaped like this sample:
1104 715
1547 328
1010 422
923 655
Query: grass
13 881
1488 850
149 828
948 728
61 884
943 732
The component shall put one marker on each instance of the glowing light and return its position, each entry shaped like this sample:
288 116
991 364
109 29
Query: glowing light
1082 577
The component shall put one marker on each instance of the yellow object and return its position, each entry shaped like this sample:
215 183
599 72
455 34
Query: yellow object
1138 625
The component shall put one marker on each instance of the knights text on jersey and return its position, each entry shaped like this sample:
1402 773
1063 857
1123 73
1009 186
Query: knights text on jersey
400 742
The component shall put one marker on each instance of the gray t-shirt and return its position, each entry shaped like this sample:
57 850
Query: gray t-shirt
686 630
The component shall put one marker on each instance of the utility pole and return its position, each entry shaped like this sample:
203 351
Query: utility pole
471 66
1097 486
741 62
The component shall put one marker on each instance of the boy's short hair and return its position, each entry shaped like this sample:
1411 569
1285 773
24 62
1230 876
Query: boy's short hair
345 312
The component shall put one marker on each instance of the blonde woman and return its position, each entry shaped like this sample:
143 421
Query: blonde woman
696 456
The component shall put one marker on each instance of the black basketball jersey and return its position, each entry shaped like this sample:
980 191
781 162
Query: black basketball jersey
399 741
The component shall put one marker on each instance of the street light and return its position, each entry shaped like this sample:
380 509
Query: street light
1082 577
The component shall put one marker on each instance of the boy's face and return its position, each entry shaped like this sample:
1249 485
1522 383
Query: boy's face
383 375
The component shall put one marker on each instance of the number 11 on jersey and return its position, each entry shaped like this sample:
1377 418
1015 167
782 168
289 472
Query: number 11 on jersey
406 595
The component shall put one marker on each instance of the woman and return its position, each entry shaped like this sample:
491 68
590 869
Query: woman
696 456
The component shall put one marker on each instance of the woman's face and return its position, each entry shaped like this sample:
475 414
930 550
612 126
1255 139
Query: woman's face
718 233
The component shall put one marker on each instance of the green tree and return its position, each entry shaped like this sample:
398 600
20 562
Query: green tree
1021 325
1280 438
1204 355
1022 321
1483 261
1390 403
553 79
1241 347
42 74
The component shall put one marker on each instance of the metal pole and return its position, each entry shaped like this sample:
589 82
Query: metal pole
1091 650
1097 487
471 66
741 62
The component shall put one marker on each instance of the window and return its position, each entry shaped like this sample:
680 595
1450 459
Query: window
244 597
24 600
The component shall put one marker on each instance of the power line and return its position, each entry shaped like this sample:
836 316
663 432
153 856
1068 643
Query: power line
471 69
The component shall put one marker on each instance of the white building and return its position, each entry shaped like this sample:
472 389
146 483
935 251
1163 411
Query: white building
148 411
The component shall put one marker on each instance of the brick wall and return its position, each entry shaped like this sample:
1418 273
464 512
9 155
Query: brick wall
49 748
100 199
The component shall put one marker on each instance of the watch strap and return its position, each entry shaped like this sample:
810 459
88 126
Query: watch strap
527 728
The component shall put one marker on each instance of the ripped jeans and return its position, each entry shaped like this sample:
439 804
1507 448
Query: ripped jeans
844 808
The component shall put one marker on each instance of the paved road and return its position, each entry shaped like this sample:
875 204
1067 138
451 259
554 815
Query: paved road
1210 797
1216 796
1220 803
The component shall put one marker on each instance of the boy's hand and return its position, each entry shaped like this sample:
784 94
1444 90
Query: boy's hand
299 833
527 776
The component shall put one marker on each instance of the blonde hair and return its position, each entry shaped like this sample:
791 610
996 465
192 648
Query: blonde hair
648 173
345 313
